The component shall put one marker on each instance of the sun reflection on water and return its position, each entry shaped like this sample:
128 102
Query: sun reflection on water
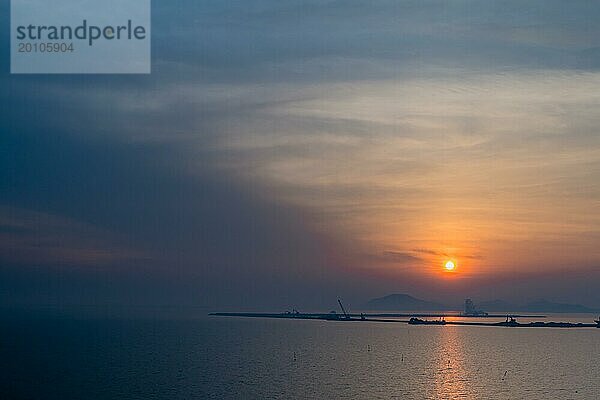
450 372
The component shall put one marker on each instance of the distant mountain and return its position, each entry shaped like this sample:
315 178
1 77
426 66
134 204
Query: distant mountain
403 302
497 305
538 306
548 306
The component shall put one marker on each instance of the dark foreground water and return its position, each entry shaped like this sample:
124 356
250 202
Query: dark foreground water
219 358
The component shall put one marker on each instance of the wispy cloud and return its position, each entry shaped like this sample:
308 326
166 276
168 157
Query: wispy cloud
34 238
343 143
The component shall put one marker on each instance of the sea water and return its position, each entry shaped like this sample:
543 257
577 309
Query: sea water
200 357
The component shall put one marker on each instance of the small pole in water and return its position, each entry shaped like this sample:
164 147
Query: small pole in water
294 356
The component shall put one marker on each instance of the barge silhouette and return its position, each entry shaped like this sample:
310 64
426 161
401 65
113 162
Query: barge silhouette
417 321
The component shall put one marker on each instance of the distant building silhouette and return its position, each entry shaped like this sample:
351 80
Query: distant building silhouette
471 310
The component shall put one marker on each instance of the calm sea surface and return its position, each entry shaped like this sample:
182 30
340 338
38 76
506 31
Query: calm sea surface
229 358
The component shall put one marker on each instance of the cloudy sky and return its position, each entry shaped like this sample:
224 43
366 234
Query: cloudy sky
285 154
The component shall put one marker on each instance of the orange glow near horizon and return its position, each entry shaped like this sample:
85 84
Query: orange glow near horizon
407 204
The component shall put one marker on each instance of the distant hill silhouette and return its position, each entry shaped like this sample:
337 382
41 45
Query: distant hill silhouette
548 306
497 305
403 302
539 306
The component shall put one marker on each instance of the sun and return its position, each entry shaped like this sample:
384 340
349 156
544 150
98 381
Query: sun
450 266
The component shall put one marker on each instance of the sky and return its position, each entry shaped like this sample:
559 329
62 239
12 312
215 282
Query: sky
285 154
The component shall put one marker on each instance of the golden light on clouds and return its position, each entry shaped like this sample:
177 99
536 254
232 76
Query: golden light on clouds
494 168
